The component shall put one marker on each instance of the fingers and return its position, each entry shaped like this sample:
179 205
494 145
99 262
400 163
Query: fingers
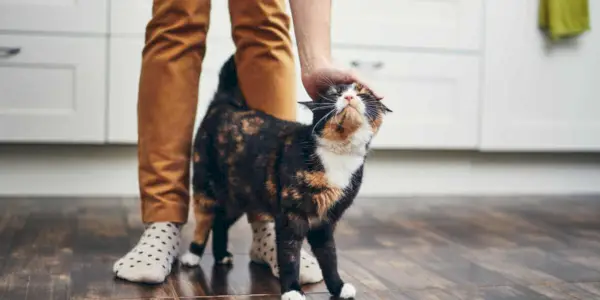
350 76
355 77
322 79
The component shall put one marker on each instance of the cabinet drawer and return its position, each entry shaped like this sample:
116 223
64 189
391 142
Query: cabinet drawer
434 97
82 16
53 90
446 24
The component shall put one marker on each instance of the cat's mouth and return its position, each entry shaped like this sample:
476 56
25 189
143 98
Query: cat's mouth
342 119
348 116
350 106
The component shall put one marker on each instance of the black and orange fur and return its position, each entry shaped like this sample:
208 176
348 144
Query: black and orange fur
246 161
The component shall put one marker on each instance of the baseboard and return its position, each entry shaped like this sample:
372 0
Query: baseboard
34 170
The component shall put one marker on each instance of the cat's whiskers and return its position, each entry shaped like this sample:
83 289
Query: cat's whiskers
320 120
326 98
323 104
370 110
321 108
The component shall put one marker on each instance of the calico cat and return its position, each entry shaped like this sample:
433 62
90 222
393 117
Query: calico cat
305 176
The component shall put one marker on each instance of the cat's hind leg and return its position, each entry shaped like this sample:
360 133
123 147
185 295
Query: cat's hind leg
204 201
204 213
222 223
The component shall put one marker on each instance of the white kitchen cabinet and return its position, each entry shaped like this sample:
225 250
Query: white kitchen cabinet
443 24
538 97
129 18
124 75
53 90
434 97
52 16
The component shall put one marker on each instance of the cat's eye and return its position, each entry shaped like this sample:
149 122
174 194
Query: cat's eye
333 90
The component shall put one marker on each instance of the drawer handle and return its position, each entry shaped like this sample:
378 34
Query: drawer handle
9 51
374 65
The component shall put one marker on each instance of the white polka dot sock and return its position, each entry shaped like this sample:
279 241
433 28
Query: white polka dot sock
151 259
263 251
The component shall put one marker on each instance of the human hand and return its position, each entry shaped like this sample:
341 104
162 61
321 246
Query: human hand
321 78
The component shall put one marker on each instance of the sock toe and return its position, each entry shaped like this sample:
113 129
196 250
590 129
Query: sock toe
151 259
146 274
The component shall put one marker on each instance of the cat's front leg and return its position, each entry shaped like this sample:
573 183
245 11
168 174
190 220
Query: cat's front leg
290 232
323 246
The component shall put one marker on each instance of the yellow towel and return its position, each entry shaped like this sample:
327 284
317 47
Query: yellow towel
564 18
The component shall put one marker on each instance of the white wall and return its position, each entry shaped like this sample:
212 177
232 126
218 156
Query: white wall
111 171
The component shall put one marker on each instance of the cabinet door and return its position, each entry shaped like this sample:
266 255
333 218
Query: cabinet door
87 16
537 96
123 80
53 90
434 97
443 24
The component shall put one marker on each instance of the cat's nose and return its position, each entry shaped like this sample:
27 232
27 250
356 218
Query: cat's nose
348 98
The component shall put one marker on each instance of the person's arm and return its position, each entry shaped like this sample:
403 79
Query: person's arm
312 28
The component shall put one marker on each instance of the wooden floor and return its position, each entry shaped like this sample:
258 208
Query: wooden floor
410 248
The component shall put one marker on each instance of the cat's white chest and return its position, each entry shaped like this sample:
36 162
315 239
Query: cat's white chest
339 168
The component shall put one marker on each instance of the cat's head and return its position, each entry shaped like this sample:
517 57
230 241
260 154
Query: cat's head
347 113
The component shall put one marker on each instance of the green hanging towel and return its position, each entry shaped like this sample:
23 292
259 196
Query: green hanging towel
564 18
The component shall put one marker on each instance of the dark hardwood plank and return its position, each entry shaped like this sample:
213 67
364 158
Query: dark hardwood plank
511 293
452 264
103 231
35 287
395 271
92 278
408 248
40 248
11 222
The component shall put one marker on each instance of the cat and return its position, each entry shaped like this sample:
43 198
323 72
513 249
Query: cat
303 175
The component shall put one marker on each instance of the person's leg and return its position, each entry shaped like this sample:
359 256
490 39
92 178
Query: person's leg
266 70
168 93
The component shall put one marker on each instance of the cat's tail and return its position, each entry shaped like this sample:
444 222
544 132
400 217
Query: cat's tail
228 80
228 90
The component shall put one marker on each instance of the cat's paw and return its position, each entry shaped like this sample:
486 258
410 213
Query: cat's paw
225 260
293 295
348 291
190 259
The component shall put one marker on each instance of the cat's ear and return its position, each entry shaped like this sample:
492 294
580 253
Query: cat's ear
311 105
386 109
